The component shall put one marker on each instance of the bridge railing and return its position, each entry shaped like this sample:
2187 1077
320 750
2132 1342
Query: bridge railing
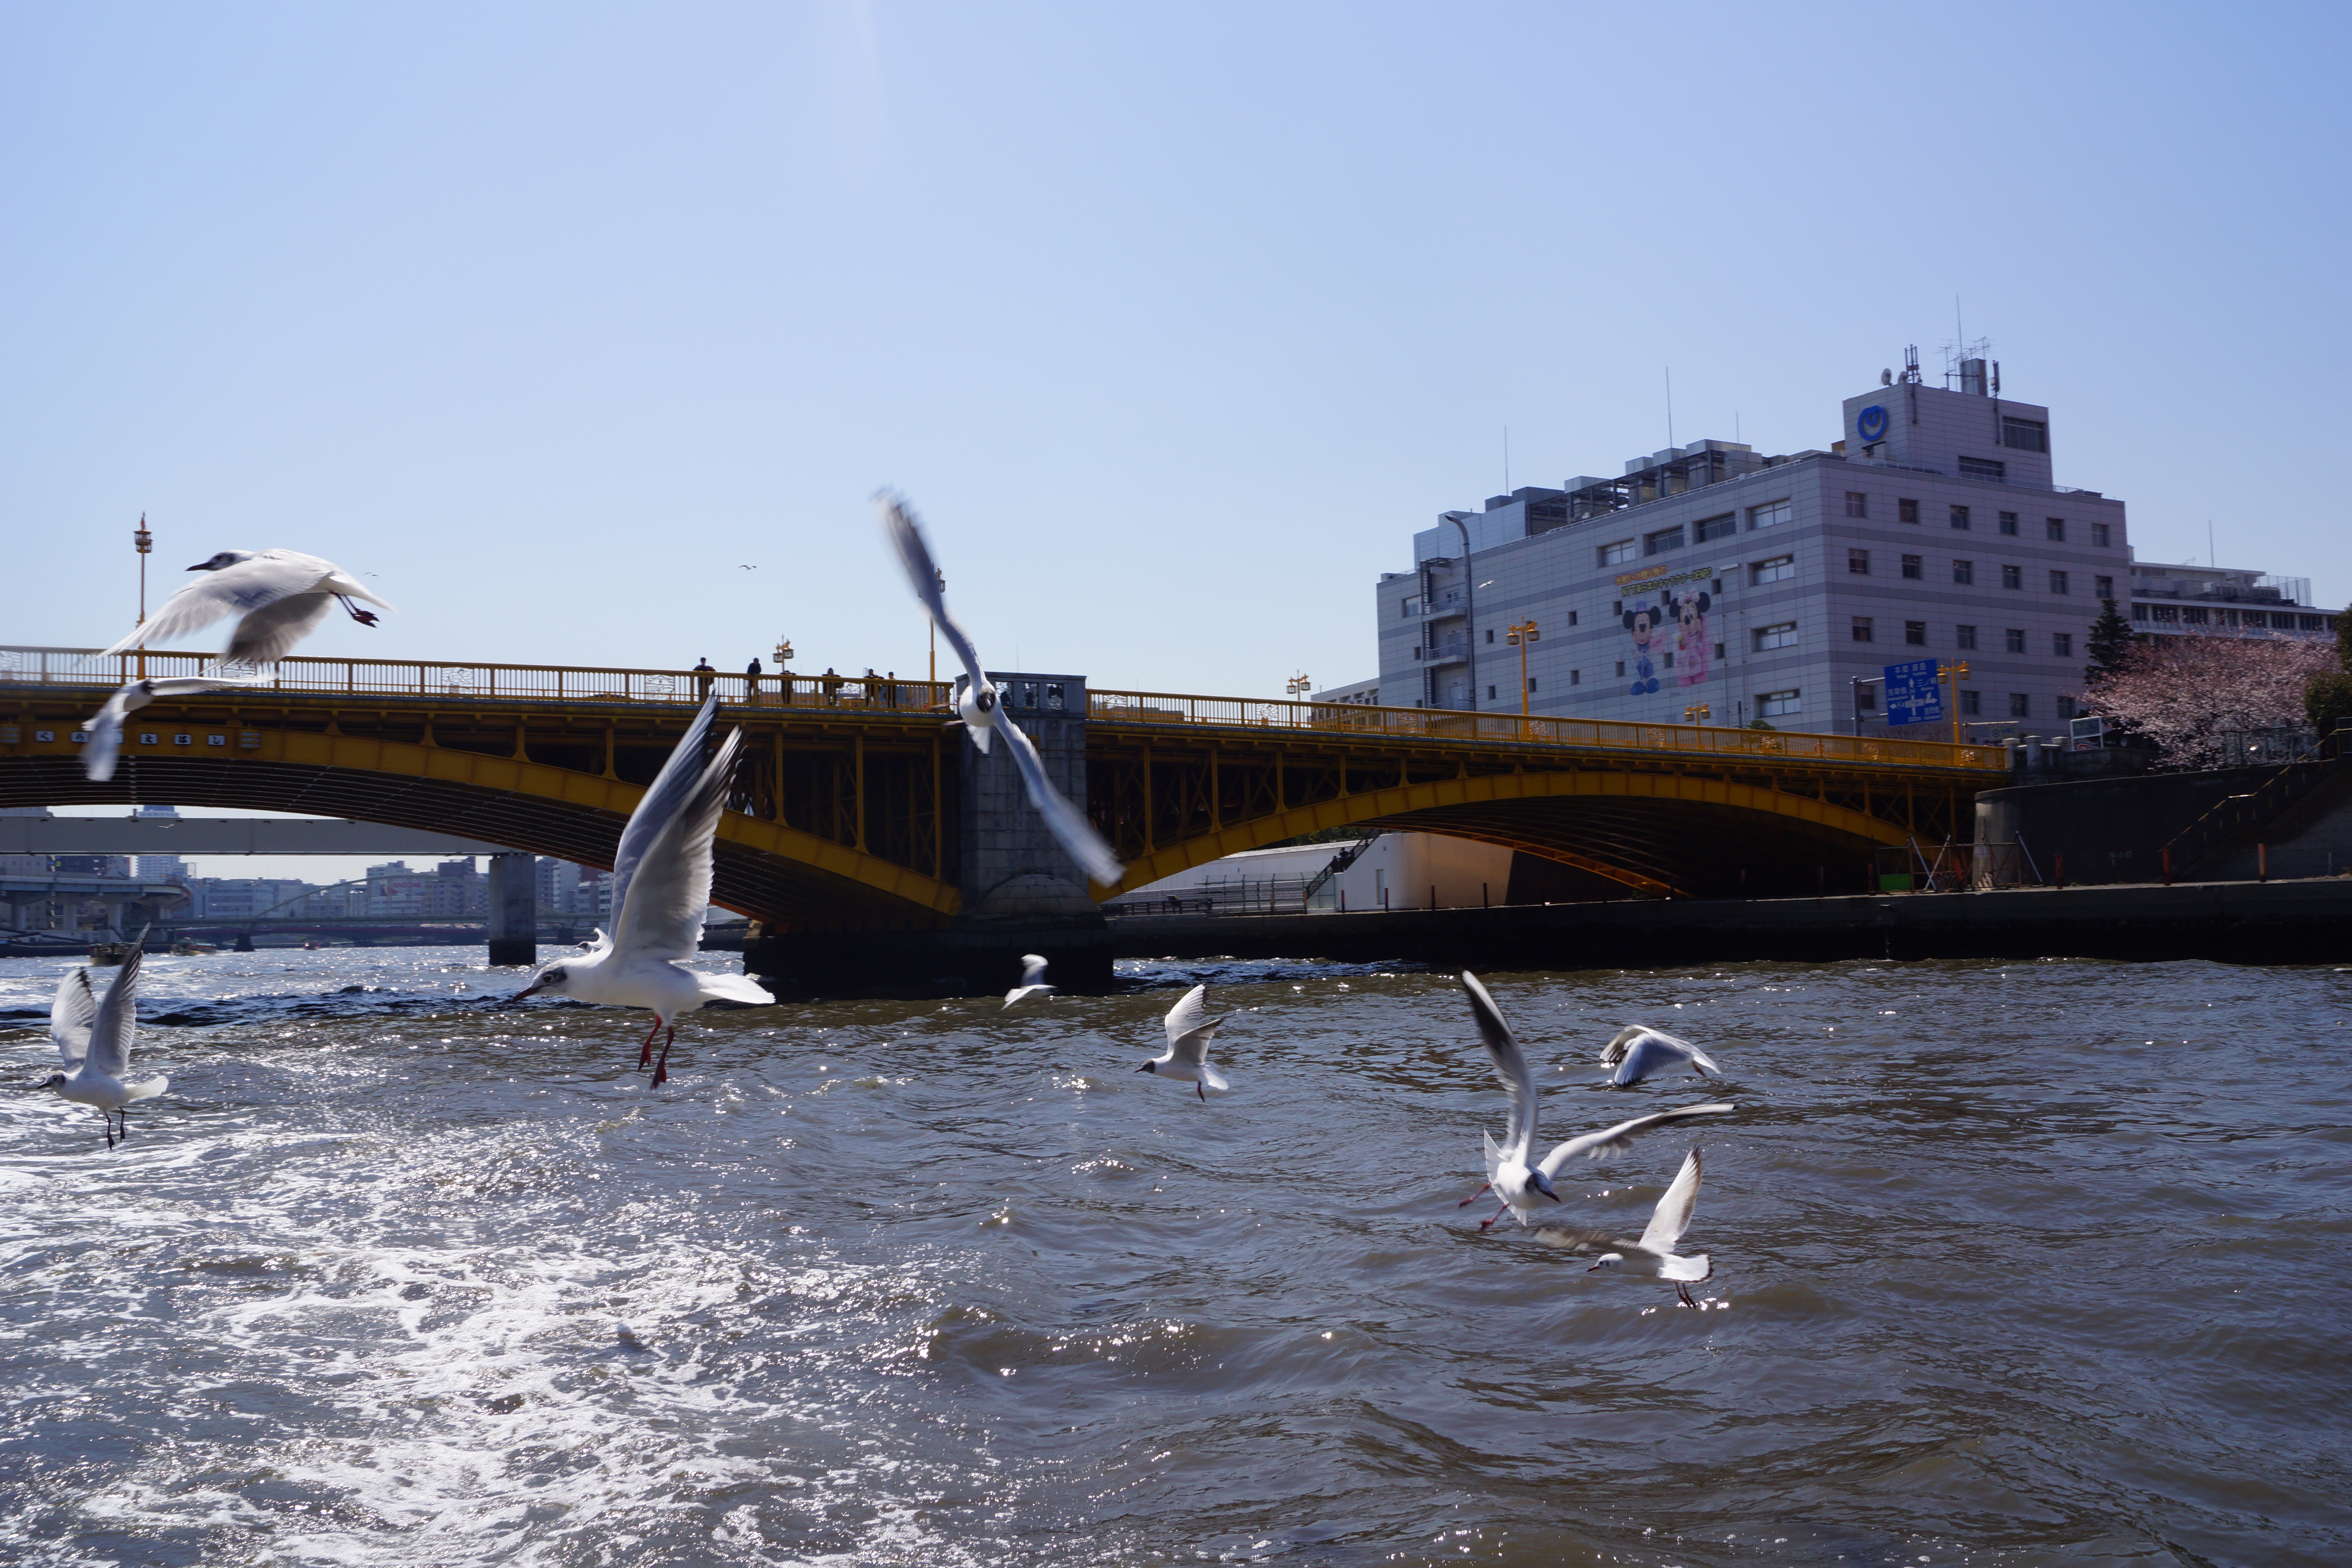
504 682
1613 734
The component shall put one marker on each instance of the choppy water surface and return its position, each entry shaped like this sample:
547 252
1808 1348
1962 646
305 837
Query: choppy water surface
2026 1264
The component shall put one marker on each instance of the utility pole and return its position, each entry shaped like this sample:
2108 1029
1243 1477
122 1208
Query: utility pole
144 542
1953 675
1519 635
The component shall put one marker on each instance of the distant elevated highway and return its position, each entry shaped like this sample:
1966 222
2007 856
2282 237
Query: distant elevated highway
226 836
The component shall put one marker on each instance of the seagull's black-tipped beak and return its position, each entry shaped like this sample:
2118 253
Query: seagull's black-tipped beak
1145 1068
1542 1183
528 990
202 567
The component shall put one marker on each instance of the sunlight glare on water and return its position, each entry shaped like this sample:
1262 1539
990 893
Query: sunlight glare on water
2017 1264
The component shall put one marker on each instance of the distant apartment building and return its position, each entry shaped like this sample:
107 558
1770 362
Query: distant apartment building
2183 600
243 898
1712 583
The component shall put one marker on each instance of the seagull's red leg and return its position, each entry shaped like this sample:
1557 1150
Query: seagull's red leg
661 1070
645 1052
1473 1198
1489 1222
1199 1090
1682 1296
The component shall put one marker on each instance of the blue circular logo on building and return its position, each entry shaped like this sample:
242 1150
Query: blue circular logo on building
1871 424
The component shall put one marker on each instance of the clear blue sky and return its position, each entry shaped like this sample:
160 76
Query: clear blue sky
1175 320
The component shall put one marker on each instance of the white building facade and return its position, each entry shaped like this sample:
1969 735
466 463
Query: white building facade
1710 584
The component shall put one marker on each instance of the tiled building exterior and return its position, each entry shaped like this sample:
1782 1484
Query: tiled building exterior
1760 587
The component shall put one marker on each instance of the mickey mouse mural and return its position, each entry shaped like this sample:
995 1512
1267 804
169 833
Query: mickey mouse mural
1642 620
1689 611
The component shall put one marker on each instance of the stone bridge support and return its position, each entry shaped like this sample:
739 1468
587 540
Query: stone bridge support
514 908
1021 893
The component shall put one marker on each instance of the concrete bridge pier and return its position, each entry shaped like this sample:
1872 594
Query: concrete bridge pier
1021 893
514 908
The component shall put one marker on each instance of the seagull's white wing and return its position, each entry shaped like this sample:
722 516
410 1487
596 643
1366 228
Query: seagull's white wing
1511 1065
1673 1216
106 733
70 1017
1033 969
1065 822
662 799
1611 1142
661 916
1648 1051
237 590
273 631
118 1014
1189 1014
906 534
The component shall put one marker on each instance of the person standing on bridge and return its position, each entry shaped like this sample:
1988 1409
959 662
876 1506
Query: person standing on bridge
704 674
751 680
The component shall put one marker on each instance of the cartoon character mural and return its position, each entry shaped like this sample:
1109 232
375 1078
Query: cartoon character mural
1642 620
1690 647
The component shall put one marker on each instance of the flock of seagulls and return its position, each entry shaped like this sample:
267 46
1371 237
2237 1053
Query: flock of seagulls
662 876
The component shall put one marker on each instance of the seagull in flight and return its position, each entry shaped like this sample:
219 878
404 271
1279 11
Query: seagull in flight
978 702
1033 981
1639 1051
93 1038
1190 1028
661 885
1518 1183
281 596
1655 1253
106 724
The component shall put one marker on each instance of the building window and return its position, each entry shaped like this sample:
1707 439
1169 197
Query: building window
1531 683
1906 509
1861 628
2058 581
1718 651
1984 469
2014 577
1490 638
1865 696
1572 621
2193 614
2099 534
2024 434
1576 677
2163 612
1771 514
1972 702
1780 569
2015 636
1411 608
2139 612
2009 523
1668 659
1722 527
2303 623
1914 566
1779 704
1665 539
2105 587
1858 563
1915 633
1967 636
1618 553
2062 644
2020 706
1781 636
2054 529
1961 517
1858 503
1964 572
1490 694
2065 708
1621 669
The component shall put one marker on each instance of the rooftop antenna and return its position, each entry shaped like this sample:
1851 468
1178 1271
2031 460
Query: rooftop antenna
1670 406
2212 556
1506 458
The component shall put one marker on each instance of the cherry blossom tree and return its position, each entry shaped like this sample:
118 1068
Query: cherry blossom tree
2184 694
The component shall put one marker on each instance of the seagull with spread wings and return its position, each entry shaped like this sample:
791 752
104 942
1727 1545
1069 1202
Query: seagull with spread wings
1519 1184
93 1038
1033 981
1186 1059
1655 1253
980 704
106 724
1637 1052
661 885
280 597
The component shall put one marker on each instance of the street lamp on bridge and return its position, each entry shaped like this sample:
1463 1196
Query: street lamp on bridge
1299 685
1518 635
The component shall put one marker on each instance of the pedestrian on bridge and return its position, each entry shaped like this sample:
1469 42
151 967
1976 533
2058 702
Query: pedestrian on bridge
751 680
704 674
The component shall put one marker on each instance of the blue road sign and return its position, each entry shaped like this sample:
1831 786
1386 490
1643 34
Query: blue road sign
1912 695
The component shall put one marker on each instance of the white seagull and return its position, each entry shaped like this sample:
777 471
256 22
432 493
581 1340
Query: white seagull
106 724
279 596
1190 1028
978 703
1639 1051
661 885
1033 981
1655 1253
1516 1181
93 1038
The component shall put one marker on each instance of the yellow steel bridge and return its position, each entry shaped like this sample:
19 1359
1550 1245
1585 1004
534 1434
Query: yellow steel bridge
845 812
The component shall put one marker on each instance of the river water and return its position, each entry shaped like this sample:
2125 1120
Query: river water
2013 1264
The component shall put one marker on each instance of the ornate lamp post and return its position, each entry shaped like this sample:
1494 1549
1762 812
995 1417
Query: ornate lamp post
144 542
1953 675
1518 635
1299 685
